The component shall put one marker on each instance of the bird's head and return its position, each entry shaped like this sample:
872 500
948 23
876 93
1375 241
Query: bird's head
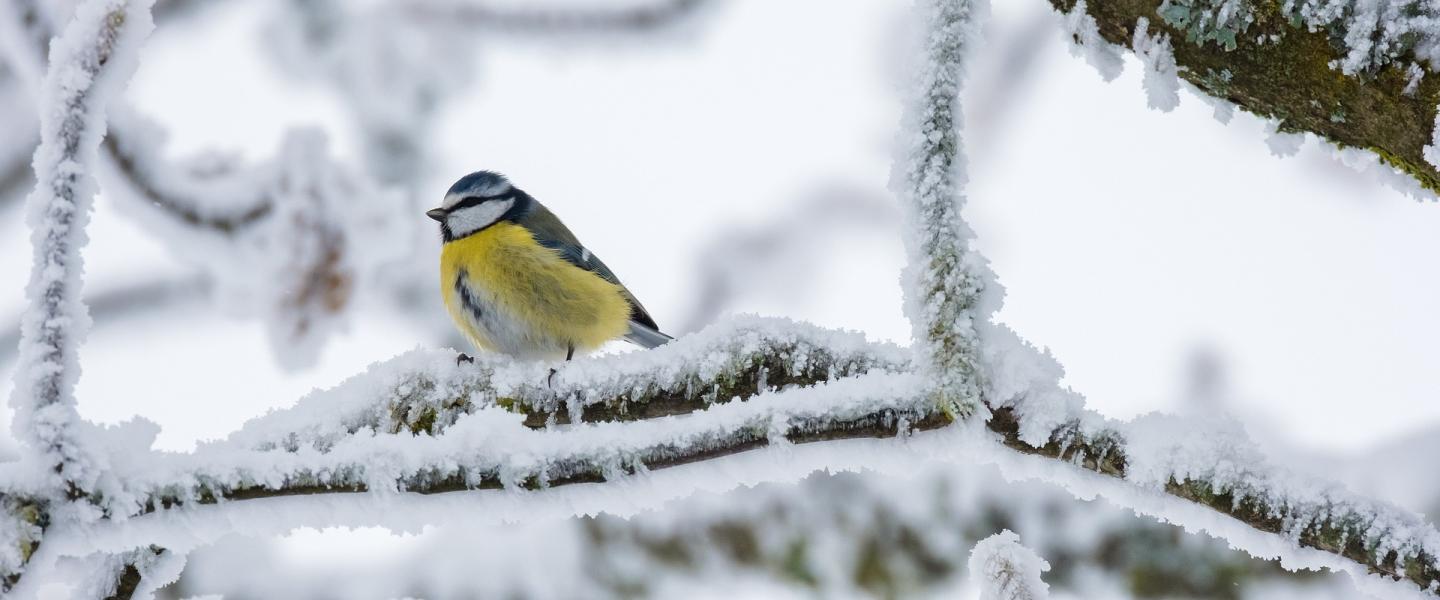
475 202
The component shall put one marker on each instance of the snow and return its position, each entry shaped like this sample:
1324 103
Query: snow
88 63
357 434
1008 570
1432 150
1085 41
1283 143
1375 33
1162 84
1215 453
1369 163
643 491
489 444
1413 74
1223 110
395 392
918 526
949 290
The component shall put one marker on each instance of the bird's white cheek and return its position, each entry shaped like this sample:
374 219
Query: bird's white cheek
469 220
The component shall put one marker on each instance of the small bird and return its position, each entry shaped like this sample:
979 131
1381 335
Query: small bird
517 282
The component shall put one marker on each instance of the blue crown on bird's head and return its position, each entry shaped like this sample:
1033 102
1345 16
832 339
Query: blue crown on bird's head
483 184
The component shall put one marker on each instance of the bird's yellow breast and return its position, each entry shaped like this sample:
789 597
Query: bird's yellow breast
512 295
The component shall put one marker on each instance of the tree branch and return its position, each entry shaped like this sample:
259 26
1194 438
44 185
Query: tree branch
945 280
88 63
647 17
358 438
145 183
81 76
1312 75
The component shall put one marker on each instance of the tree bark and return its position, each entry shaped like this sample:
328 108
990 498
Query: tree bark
1282 71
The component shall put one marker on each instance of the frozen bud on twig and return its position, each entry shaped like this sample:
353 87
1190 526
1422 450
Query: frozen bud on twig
1006 570
330 229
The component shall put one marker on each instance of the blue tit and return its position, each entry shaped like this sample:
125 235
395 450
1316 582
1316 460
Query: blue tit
517 282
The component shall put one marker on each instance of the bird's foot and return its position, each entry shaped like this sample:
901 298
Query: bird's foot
464 358
550 379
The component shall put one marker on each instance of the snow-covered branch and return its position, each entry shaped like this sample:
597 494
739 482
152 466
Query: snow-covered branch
422 424
945 279
538 19
87 64
1358 73
831 534
1211 463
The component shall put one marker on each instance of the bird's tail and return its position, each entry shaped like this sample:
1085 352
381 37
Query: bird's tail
645 337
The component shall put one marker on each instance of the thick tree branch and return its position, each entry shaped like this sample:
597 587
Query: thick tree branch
449 406
1278 67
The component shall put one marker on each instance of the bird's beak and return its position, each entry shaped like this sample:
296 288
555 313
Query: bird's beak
436 213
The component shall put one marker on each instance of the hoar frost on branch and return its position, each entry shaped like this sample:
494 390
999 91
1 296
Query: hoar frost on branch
1162 85
1349 71
1085 41
945 280
89 62
889 534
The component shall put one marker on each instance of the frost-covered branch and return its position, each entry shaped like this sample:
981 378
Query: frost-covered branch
22 525
1359 73
944 278
832 534
144 175
87 64
538 19
1215 465
420 423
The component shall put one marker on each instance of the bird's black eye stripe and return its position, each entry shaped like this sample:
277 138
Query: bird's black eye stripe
467 202
470 201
